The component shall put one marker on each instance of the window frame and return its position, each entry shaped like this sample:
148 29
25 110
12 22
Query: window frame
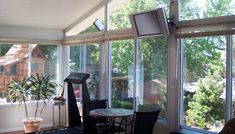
228 100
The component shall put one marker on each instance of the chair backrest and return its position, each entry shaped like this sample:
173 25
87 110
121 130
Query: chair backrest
89 121
229 127
144 122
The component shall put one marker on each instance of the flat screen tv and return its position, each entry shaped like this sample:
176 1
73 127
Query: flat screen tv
150 23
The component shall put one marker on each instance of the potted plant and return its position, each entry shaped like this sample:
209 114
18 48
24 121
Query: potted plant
38 88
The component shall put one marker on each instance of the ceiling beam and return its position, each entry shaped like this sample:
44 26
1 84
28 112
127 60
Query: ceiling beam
30 33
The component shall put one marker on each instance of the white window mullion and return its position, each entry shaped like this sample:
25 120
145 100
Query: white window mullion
136 63
181 81
29 60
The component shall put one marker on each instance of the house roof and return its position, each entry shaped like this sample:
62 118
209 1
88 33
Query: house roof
16 53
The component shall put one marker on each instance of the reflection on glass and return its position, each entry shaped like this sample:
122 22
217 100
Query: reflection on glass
151 75
204 82
45 60
86 58
195 9
122 73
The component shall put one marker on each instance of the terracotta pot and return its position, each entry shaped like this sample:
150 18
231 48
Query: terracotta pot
32 124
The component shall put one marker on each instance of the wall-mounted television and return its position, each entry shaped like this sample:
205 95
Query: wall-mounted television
150 23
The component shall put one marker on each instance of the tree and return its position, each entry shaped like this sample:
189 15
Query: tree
206 106
4 48
201 54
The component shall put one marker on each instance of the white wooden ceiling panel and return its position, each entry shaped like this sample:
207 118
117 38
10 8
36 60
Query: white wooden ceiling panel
45 14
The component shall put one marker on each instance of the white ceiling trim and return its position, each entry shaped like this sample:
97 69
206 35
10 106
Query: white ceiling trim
31 33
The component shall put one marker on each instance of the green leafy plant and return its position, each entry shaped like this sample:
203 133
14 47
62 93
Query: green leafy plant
41 89
19 91
38 87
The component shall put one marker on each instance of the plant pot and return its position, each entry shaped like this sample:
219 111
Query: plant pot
32 124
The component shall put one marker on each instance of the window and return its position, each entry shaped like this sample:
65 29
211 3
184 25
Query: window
194 9
119 14
34 66
13 69
1 68
47 58
86 58
13 64
122 61
151 74
204 82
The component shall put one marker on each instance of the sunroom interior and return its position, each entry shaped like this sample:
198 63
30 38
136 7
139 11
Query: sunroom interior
188 74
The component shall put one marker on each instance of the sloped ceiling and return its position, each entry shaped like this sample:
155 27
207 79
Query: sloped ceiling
45 14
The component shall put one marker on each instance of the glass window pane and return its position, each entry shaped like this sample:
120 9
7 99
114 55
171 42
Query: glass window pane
151 75
120 10
14 65
122 73
86 58
93 23
198 9
45 60
204 82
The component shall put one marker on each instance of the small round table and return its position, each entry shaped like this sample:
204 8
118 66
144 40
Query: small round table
111 114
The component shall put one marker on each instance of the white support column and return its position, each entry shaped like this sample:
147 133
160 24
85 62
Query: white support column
105 64
172 77
30 59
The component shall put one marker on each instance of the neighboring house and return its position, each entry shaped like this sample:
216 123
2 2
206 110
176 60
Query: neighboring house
14 64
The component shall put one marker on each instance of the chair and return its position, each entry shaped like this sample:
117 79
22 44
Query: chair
143 122
229 127
90 122
101 125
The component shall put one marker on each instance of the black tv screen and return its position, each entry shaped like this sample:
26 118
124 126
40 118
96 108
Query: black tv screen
150 23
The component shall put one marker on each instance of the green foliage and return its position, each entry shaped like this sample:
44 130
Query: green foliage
49 52
190 9
202 54
92 56
19 91
153 55
122 55
121 104
4 48
37 87
148 107
41 89
217 8
132 6
206 106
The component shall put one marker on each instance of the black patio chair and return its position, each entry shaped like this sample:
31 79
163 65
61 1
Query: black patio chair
143 122
229 127
99 125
